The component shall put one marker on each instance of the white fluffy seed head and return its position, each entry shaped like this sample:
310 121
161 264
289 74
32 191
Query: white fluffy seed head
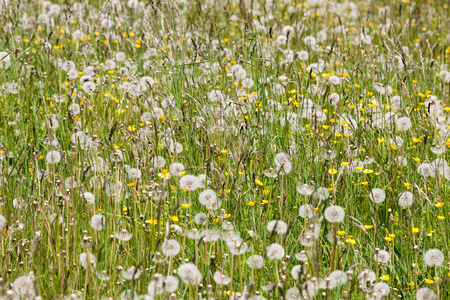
53 157
189 273
85 260
208 198
277 227
275 251
89 198
381 289
170 248
334 214
405 199
434 258
158 162
2 222
425 294
306 211
366 276
176 168
382 256
305 189
337 278
189 182
23 286
334 98
98 222
321 193
134 173
221 279
377 195
255 261
403 123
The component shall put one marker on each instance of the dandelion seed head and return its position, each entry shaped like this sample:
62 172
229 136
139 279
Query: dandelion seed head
334 214
425 294
293 294
3 222
382 257
89 87
366 276
53 157
277 227
208 198
337 278
123 235
255 261
381 289
296 272
170 248
158 162
87 259
221 279
97 222
275 251
89 198
321 193
201 218
131 273
176 168
24 286
433 258
189 274
189 182
334 80
306 211
377 195
134 173
404 123
405 199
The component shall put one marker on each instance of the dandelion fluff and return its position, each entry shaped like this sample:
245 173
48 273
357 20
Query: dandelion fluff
381 289
53 157
208 198
189 274
255 261
221 279
170 248
86 259
189 182
377 195
405 199
158 162
337 278
334 214
2 222
305 189
134 173
382 256
306 211
425 294
434 258
24 286
89 198
277 227
366 276
403 123
97 222
321 193
176 168
275 251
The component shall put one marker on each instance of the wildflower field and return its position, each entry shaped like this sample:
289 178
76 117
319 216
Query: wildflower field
224 149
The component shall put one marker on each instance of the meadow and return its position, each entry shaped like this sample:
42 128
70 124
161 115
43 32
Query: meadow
232 149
